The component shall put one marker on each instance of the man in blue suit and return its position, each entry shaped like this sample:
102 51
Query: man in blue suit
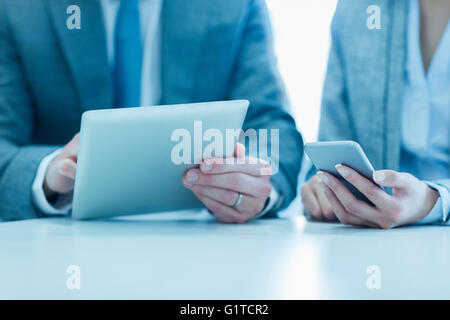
130 53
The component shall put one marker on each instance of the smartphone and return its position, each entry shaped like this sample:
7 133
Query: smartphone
326 155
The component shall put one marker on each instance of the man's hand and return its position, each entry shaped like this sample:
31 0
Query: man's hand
218 183
316 202
60 175
411 201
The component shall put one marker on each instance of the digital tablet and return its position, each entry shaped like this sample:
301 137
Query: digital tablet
326 155
131 160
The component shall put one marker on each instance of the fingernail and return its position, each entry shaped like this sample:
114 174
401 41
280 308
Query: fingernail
323 178
192 176
379 176
343 171
206 166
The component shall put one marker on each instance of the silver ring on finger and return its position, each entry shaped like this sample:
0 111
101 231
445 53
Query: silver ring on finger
238 201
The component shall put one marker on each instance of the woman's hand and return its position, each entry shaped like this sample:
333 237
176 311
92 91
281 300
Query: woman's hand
316 202
411 201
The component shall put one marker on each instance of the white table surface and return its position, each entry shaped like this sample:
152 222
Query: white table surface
190 256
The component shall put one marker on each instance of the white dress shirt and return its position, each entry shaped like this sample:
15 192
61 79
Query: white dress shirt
150 18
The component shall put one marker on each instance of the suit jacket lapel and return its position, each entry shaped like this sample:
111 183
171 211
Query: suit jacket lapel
395 76
85 51
182 34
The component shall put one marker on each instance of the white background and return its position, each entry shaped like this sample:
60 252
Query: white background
302 38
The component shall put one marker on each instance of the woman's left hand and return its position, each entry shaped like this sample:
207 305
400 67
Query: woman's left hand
411 201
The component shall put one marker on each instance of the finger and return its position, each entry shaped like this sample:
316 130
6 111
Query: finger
325 206
71 149
311 202
224 196
229 198
252 166
222 212
351 204
375 194
220 218
341 213
239 151
239 182
67 168
76 137
390 178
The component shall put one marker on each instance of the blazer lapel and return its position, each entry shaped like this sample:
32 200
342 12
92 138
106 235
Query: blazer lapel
182 36
394 93
85 51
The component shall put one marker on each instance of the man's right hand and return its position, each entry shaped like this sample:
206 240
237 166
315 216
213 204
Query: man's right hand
60 175
316 202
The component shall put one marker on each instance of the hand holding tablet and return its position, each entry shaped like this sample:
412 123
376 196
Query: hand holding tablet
234 189
132 160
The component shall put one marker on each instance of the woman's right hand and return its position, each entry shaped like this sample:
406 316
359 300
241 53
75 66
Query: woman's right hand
316 202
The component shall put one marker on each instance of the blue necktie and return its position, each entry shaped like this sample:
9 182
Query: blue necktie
127 55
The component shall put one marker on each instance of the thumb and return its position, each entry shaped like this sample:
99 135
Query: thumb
67 167
60 176
239 151
390 178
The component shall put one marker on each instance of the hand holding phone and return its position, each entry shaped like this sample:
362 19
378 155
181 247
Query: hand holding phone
410 201
326 155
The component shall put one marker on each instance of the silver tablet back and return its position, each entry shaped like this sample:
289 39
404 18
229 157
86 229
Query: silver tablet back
131 161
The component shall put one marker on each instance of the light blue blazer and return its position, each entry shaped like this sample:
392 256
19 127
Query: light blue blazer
363 91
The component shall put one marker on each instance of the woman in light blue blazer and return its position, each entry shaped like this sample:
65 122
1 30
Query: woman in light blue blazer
388 88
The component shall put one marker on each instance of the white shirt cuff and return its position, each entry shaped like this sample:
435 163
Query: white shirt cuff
62 205
440 210
273 198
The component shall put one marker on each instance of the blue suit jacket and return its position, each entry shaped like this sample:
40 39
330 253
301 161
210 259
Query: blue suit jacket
363 91
49 75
